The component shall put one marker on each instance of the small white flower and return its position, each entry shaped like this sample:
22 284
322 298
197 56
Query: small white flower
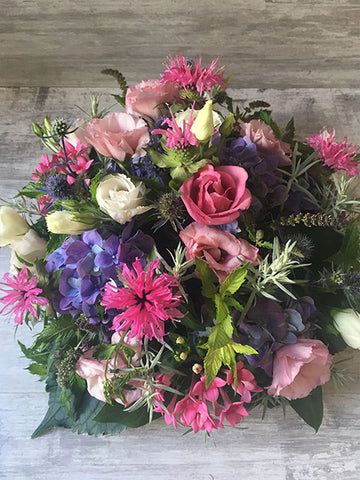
30 248
63 222
120 198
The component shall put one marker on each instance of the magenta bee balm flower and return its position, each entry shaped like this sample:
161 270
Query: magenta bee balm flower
23 295
147 300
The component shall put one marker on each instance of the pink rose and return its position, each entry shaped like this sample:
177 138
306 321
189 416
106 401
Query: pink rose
263 135
118 134
144 99
93 371
214 196
222 251
299 368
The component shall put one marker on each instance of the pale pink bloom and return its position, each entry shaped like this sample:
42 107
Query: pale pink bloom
338 156
299 368
246 382
118 134
177 137
263 136
222 251
93 371
147 301
23 296
190 75
145 98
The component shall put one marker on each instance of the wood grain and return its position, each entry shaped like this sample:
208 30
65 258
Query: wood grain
276 448
264 43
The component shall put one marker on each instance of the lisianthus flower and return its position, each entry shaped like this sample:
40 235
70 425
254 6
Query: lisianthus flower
147 300
190 75
23 295
177 136
338 156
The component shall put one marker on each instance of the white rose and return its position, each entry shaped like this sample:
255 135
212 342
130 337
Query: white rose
29 248
12 226
120 198
63 222
347 323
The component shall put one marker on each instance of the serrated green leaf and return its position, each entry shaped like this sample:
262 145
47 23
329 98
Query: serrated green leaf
115 413
218 337
55 241
310 408
36 369
349 254
243 349
120 99
233 281
55 331
128 352
212 364
231 302
104 351
207 276
33 354
288 132
76 384
31 190
65 403
94 183
222 310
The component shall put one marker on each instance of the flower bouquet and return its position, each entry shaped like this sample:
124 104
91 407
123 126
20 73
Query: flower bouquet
187 259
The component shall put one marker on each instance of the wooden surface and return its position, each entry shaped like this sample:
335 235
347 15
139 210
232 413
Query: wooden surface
276 448
263 43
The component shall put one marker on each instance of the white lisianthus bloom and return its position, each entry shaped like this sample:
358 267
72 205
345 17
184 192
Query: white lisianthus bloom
63 222
12 226
347 322
203 127
30 248
120 198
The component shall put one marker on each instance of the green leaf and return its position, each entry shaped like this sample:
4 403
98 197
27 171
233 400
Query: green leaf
233 281
120 99
55 241
85 408
65 403
207 276
265 116
116 413
33 354
222 310
94 185
31 190
58 330
218 337
243 349
212 364
36 369
76 383
349 253
190 320
288 132
104 351
231 302
310 408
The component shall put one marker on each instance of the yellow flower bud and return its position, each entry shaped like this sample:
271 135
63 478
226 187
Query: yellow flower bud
197 368
183 356
63 222
180 340
203 127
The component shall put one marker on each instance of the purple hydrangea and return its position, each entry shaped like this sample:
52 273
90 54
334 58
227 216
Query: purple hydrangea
87 262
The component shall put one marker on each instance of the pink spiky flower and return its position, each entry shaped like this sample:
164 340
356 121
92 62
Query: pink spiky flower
338 156
147 300
177 137
190 75
23 295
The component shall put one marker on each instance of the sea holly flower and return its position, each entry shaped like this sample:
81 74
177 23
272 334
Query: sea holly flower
147 300
23 295
336 155
191 76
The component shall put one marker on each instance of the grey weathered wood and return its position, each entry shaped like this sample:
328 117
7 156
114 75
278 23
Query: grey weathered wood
276 448
263 43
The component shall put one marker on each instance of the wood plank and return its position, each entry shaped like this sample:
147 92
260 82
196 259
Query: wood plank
264 44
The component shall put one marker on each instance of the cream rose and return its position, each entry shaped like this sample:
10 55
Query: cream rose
30 248
120 198
12 226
